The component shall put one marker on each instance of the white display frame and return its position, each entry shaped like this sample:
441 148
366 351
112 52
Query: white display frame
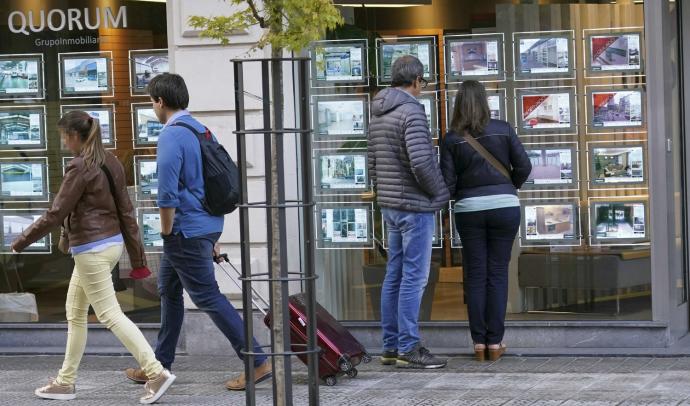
315 99
613 242
498 77
45 197
65 161
429 40
324 83
435 124
436 242
28 250
575 165
110 92
501 93
64 108
591 145
325 245
148 249
617 129
573 202
588 34
40 93
540 132
135 91
135 107
140 195
318 153
43 145
519 75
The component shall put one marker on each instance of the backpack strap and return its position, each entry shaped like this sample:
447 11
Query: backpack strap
200 136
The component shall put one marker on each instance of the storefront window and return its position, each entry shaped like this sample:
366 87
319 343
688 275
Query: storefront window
570 78
100 65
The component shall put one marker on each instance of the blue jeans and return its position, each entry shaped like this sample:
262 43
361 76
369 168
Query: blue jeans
410 236
487 241
187 263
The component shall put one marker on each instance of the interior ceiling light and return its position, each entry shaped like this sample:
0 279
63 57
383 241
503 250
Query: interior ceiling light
382 3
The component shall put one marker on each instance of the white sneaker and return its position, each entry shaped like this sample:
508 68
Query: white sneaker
56 391
156 387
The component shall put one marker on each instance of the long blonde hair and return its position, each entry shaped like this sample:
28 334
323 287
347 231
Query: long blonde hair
89 130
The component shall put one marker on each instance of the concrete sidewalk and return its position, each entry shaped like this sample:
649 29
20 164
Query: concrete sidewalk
510 381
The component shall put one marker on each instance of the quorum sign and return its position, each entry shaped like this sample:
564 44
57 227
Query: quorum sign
72 19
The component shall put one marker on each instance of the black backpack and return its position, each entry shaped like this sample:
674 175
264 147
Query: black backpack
221 176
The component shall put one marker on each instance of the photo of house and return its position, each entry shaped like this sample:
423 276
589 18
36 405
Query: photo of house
545 110
148 66
550 222
20 127
343 171
619 220
147 125
147 177
340 117
85 74
391 52
550 166
339 63
615 52
617 108
544 55
21 179
18 76
618 165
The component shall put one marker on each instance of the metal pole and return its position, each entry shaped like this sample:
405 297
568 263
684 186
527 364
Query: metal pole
308 223
250 395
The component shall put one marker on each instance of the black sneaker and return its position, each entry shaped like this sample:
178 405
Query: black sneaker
419 358
389 357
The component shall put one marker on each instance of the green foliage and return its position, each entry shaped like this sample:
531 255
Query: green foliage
290 24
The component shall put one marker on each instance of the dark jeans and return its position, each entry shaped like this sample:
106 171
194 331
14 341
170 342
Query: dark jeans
487 240
187 263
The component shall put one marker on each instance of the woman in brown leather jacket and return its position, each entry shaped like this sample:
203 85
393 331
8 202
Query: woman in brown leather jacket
97 214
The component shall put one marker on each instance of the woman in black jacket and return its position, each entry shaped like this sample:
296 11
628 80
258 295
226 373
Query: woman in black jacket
487 210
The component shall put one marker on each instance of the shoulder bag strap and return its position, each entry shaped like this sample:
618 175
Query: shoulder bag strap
486 155
112 187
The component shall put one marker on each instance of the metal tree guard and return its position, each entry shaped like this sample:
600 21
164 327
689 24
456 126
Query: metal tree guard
305 204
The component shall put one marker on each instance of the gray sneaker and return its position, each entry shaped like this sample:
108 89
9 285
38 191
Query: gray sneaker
419 358
156 387
56 391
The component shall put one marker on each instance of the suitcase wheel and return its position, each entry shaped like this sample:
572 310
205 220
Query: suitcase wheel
352 373
345 363
330 380
366 358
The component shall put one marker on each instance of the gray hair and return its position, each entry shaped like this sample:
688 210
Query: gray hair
406 69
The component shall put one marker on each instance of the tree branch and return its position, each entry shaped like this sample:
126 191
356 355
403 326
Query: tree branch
255 12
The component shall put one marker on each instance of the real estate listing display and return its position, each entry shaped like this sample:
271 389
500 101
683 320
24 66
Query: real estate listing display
340 116
388 50
146 126
21 77
495 97
609 53
86 74
341 172
22 128
344 225
14 222
546 111
146 177
339 62
616 164
144 66
430 102
104 113
150 229
543 55
614 108
618 222
553 167
478 57
23 179
550 223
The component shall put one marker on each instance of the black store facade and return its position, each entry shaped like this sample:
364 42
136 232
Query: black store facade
595 90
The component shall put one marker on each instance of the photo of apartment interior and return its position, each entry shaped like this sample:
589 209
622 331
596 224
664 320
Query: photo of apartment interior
550 165
343 117
618 163
615 50
555 219
19 127
18 76
471 56
545 109
148 67
616 219
543 53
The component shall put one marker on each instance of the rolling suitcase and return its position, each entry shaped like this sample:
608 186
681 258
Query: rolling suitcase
340 352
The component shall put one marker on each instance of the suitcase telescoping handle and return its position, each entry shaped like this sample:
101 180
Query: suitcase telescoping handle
258 301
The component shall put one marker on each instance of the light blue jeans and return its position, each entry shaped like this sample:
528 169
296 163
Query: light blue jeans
410 236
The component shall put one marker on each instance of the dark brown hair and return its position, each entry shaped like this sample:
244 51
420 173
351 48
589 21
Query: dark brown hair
471 111
89 130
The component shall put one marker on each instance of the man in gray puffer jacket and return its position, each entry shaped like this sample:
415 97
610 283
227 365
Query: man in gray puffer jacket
409 189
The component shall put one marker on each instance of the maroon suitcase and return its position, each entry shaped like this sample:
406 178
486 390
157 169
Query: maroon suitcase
340 351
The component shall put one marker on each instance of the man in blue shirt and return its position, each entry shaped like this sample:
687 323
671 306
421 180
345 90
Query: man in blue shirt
189 233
